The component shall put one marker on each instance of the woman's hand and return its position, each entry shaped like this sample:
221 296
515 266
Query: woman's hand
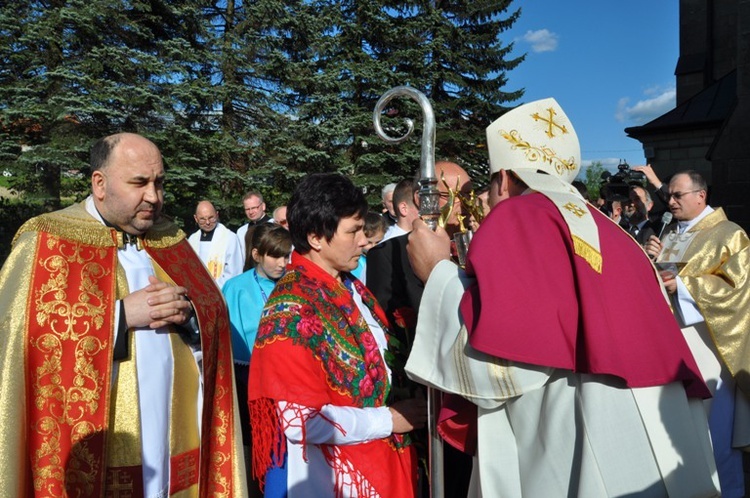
408 414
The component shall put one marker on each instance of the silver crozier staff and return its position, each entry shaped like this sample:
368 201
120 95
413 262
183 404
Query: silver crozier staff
429 211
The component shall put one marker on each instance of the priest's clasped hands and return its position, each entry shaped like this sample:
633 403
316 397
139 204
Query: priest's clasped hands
157 305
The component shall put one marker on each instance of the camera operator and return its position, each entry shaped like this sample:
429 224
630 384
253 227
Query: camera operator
616 190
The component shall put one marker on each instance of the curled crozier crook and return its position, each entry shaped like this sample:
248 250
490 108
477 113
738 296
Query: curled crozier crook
429 196
429 211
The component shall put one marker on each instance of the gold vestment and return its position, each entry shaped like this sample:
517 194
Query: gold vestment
73 455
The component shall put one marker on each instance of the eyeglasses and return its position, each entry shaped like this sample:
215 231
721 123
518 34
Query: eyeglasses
679 195
210 219
253 208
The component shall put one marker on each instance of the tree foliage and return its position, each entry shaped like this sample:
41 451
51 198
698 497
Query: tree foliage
244 95
592 177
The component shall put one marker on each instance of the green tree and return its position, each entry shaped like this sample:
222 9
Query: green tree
242 95
354 51
75 70
456 56
592 177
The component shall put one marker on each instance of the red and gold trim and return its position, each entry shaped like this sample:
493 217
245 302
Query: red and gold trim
184 471
68 363
217 447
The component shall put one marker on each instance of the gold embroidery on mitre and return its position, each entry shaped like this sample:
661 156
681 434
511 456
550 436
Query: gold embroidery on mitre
588 252
551 124
540 153
575 209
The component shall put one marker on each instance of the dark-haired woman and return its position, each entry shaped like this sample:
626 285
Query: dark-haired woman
318 379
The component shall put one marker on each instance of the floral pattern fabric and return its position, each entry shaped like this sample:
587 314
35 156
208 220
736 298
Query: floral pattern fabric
314 348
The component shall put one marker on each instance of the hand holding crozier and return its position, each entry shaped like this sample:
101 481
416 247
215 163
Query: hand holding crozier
427 248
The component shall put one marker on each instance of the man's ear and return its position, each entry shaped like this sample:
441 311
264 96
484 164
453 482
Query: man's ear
504 180
403 209
98 184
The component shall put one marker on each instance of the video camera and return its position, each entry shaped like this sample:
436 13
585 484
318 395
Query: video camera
617 186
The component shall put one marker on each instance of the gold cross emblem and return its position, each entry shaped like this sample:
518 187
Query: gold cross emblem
551 124
186 472
573 208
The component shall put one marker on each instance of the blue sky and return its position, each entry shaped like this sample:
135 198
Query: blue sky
610 65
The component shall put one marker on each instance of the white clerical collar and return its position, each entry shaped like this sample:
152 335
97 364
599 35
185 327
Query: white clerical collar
684 226
91 209
132 239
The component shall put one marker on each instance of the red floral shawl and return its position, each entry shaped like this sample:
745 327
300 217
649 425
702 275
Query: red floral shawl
314 348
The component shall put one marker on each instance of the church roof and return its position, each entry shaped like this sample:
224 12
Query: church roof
709 107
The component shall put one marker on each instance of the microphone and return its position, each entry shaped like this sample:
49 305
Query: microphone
666 219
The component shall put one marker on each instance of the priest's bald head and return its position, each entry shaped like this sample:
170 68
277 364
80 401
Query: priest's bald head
451 175
127 181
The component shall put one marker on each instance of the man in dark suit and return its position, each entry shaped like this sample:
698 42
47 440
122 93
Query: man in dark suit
389 274
641 226
391 279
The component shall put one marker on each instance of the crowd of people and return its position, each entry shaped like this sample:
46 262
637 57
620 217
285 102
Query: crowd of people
291 358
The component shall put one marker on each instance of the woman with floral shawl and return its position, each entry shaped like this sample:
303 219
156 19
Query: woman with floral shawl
318 379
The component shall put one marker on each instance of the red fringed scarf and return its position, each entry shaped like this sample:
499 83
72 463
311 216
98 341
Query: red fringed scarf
314 348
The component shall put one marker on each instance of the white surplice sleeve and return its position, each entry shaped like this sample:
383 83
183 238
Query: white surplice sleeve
442 358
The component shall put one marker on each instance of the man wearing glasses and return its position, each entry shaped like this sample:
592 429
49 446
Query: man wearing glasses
216 245
708 285
255 210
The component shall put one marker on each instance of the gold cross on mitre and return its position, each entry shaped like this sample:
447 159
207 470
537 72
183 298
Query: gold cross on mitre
551 124
575 209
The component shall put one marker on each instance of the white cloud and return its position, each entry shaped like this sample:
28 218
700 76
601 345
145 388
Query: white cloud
659 102
541 40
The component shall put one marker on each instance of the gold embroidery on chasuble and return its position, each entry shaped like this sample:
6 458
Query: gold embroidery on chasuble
183 482
69 331
713 267
218 460
124 482
675 247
